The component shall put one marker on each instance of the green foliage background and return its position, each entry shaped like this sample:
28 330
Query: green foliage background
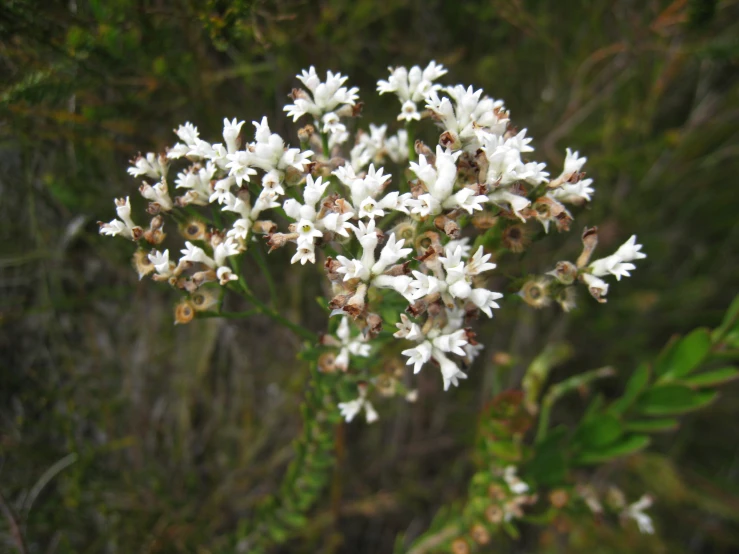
121 433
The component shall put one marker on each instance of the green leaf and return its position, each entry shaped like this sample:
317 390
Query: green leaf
731 320
652 425
634 387
627 445
505 450
548 467
598 432
673 399
712 378
686 356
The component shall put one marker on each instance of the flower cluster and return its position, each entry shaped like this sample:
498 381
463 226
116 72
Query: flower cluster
399 228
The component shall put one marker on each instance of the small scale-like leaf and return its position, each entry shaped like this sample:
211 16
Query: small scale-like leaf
652 425
627 445
674 399
687 355
712 378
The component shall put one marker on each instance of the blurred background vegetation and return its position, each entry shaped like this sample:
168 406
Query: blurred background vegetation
120 433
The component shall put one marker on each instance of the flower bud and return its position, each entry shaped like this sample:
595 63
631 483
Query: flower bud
423 150
374 325
264 227
356 304
565 272
589 242
449 139
305 133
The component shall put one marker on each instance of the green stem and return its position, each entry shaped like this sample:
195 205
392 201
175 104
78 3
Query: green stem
256 250
412 156
266 310
283 514
324 144
560 389
228 315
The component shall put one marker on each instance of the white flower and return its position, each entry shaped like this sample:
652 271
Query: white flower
115 227
307 232
306 253
396 146
337 223
424 285
225 275
618 264
160 261
409 112
370 208
349 410
574 193
349 346
425 205
516 202
325 96
411 86
597 286
269 151
463 243
418 355
123 210
635 511
188 133
151 165
408 329
399 283
573 163
239 166
158 193
240 229
451 343
390 254
471 112
195 254
479 263
439 180
197 180
231 130
467 200
227 248
450 371
352 269
314 190
515 484
485 300
126 227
